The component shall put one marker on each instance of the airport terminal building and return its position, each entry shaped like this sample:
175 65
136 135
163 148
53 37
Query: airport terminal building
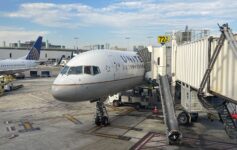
48 52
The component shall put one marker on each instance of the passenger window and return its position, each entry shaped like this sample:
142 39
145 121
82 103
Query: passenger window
96 70
87 69
64 70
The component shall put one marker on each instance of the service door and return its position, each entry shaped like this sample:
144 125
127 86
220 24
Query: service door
115 66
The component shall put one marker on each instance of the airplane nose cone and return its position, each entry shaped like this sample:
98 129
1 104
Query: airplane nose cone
66 90
63 93
63 88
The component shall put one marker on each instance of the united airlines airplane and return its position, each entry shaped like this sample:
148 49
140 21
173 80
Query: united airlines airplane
12 66
93 75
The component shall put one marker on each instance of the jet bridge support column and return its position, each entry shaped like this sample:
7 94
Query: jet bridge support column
174 136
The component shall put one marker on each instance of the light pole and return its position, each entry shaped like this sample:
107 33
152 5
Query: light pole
76 42
149 40
127 38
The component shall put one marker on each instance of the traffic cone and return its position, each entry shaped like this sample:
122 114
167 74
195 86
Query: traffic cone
155 110
234 116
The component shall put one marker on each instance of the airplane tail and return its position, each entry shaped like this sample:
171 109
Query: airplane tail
34 53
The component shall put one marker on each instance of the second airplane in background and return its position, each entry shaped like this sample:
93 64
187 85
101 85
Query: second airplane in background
12 66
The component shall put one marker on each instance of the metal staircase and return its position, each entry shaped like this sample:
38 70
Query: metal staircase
228 122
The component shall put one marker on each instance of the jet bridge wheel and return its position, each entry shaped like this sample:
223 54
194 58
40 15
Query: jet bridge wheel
183 118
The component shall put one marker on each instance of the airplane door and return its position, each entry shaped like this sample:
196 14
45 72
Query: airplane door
114 67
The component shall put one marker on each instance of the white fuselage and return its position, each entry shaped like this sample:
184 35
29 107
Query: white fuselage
11 66
111 71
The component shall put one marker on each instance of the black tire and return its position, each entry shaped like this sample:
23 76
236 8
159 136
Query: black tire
116 103
104 121
194 117
137 106
183 118
10 88
97 121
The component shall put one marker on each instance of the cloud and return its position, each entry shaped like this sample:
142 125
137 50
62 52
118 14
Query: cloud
14 34
130 15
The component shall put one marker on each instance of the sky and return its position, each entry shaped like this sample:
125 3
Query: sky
123 23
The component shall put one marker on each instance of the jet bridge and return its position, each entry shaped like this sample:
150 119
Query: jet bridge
174 136
208 61
204 72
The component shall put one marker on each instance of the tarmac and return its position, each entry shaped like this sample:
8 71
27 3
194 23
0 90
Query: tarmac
31 119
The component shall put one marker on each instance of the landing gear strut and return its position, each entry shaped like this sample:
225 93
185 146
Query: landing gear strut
101 116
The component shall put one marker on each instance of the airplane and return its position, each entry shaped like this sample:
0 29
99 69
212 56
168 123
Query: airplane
12 66
96 74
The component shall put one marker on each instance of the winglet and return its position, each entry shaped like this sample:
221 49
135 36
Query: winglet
34 53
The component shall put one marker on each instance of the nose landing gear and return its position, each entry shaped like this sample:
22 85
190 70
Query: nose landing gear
101 116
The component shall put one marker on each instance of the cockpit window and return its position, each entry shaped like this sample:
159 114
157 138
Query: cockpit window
96 70
75 70
64 70
92 70
87 69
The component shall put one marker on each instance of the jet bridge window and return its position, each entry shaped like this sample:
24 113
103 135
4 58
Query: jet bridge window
64 70
75 70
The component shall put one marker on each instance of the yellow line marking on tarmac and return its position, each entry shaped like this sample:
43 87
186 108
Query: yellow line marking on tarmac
121 137
126 127
27 125
36 97
93 129
106 135
72 119
42 99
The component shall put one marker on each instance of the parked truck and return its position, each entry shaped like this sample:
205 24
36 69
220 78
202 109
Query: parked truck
138 98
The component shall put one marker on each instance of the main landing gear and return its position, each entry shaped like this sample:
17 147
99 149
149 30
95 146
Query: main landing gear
101 116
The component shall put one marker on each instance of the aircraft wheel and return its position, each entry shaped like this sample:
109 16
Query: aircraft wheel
97 121
183 118
104 121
